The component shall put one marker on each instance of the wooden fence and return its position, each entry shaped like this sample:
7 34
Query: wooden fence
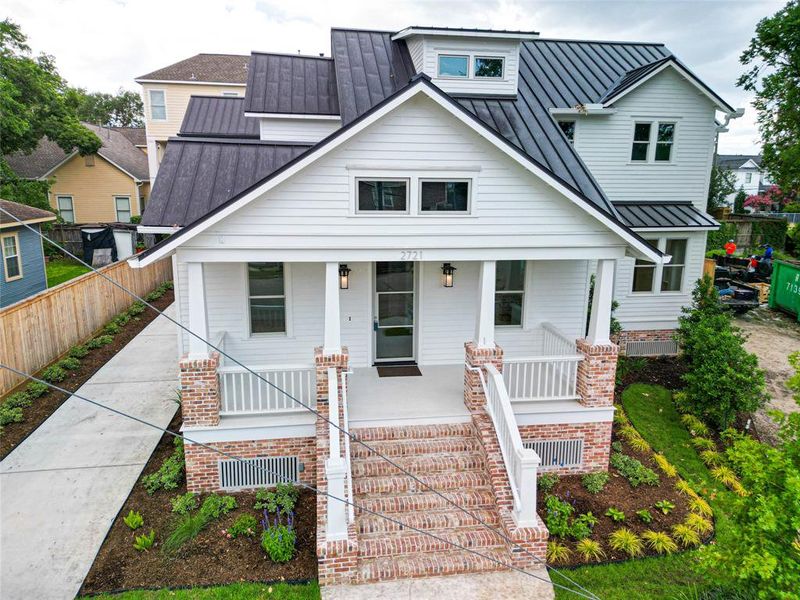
39 329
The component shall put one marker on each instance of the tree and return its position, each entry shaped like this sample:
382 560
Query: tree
722 185
123 109
772 195
738 201
774 75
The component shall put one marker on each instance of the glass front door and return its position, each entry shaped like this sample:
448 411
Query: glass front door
393 322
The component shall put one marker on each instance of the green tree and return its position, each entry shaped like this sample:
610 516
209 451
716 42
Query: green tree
721 185
738 201
773 58
123 109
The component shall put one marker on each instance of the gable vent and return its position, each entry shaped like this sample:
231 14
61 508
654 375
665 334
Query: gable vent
259 472
651 348
557 453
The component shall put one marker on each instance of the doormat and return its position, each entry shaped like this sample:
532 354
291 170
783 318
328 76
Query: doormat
400 371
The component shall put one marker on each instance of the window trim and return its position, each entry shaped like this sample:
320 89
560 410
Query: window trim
502 60
150 104
72 206
444 213
748 177
287 299
382 213
116 209
17 256
661 244
524 293
652 140
439 75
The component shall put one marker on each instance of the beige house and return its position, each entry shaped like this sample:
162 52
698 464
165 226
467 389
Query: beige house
166 93
107 187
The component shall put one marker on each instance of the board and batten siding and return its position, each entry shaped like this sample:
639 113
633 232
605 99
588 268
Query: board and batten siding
31 257
297 130
604 143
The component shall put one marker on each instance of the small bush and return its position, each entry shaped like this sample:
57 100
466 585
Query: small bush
36 389
712 458
665 506
557 553
215 506
624 540
78 351
639 444
112 328
69 363
587 518
695 426
579 530
615 514
724 475
278 542
633 470
620 418
99 341
701 443
187 529
590 550
121 319
145 542
10 415
169 474
665 466
701 507
18 400
685 488
617 446
136 308
659 542
595 482
687 536
184 503
245 525
282 499
54 374
558 516
547 481
134 520
699 523
644 516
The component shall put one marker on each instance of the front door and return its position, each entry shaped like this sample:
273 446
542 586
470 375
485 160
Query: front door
393 321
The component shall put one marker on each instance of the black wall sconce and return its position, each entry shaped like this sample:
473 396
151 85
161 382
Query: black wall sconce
344 277
447 274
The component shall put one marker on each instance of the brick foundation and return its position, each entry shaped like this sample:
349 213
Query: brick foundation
200 397
597 373
643 335
596 443
478 357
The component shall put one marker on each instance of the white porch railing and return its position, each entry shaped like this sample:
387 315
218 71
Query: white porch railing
555 342
245 394
521 463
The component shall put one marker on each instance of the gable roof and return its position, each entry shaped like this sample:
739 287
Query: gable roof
210 68
116 148
23 212
737 161
291 84
136 135
218 116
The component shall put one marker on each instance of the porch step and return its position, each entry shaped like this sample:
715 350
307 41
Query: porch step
398 503
412 542
437 519
414 432
444 462
405 447
400 483
431 564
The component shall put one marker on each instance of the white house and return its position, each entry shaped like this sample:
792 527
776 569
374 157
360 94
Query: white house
429 203
748 175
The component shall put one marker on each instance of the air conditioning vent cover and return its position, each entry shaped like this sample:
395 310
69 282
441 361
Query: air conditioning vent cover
263 471
557 453
651 348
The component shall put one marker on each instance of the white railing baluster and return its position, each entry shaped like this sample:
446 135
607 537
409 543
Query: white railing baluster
246 394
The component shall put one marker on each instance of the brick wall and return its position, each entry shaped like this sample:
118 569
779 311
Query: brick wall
596 443
596 373
200 397
643 335
478 357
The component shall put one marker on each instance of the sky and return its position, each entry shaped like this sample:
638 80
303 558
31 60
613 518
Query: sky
102 45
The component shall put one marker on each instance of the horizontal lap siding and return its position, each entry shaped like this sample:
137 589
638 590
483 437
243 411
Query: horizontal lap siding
297 130
33 278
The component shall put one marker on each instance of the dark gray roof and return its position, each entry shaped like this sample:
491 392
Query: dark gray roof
214 68
735 161
663 214
135 135
631 78
291 84
370 67
198 175
23 212
218 116
44 157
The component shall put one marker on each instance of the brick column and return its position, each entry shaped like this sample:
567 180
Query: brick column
596 373
200 396
478 357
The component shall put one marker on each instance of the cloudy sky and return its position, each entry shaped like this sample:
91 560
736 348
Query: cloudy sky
103 45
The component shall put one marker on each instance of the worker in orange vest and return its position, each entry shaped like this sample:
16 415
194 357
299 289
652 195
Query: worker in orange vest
730 248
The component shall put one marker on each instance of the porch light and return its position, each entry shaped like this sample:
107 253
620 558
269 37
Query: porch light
344 277
447 274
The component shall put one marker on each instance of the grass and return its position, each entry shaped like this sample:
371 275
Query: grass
236 591
59 271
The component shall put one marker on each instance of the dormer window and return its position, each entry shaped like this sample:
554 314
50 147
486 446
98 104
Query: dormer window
488 66
453 66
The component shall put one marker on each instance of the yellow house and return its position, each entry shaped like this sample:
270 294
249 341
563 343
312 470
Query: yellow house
166 93
107 187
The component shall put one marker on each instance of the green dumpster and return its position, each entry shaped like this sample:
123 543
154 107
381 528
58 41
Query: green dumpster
784 292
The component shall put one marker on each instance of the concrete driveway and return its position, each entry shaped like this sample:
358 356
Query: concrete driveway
61 488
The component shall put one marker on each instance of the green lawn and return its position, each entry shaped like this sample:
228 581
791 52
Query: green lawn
59 271
236 591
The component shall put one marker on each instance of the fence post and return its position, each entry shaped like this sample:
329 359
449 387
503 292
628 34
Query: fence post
526 480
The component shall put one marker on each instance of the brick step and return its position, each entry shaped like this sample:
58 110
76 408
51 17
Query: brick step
368 524
413 432
480 498
431 564
418 464
411 542
393 448
400 484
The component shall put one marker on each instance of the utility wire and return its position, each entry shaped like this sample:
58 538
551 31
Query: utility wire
335 425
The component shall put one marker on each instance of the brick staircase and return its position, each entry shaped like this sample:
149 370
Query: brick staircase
448 458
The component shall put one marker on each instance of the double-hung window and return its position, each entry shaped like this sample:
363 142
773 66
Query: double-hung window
641 142
267 297
669 276
382 195
444 196
509 293
158 105
653 142
748 177
122 204
12 266
66 208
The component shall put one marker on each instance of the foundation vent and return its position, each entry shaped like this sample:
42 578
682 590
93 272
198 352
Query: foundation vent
557 453
651 348
259 472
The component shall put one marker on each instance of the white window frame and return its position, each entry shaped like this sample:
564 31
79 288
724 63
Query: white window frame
524 292
574 130
444 213
453 55
658 269
748 177
653 140
229 94
287 299
116 208
71 208
471 58
502 59
382 213
17 256
150 101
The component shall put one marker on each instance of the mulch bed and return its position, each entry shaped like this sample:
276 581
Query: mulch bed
209 559
46 405
666 371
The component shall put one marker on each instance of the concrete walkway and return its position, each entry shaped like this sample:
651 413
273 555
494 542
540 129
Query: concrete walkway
61 488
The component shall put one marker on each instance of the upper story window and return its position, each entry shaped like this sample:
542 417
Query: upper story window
453 66
748 177
267 297
646 274
568 129
158 105
509 293
11 262
122 204
641 141
652 142
444 196
382 195
65 208
488 66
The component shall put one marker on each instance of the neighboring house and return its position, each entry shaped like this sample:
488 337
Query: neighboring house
109 186
747 171
434 201
22 273
166 94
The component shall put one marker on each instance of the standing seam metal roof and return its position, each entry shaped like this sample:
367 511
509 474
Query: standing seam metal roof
218 116
642 215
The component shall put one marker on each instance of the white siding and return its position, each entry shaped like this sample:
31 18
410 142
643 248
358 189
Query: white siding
416 48
297 130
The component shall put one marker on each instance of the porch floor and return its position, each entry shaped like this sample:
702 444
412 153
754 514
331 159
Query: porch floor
435 397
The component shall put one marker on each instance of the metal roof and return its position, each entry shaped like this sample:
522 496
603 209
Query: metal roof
198 175
642 215
285 83
218 116
464 31
212 68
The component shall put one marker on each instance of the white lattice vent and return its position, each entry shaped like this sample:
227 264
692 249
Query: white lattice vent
557 453
259 472
651 348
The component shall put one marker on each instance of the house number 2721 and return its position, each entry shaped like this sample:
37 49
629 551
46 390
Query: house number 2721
411 255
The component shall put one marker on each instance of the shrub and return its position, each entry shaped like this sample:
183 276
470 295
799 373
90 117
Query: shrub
620 418
686 535
633 470
558 516
665 466
18 400
724 475
615 514
10 415
616 446
278 542
579 530
701 443
215 506
69 363
54 374
134 520
282 499
626 541
587 518
78 351
145 542
121 319
665 506
644 515
36 389
701 507
695 425
660 542
244 525
589 550
684 487
557 553
547 481
712 458
111 328
170 472
184 503
699 523
136 308
99 341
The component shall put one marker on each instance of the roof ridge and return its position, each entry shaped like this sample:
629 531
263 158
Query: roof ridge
611 42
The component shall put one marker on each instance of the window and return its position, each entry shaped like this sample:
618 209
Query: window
641 141
444 196
11 261
509 293
158 105
748 177
453 66
568 129
670 276
672 273
644 273
488 67
123 206
266 297
666 135
382 195
660 136
64 204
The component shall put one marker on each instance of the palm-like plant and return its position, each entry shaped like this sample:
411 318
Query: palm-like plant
701 507
724 475
660 542
685 488
699 523
695 426
701 443
557 553
712 458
